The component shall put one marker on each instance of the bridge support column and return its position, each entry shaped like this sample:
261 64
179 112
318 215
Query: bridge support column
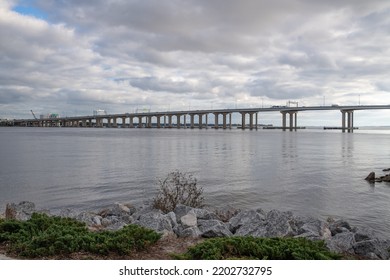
185 121
170 121
293 120
178 121
207 121
224 126
131 124
230 120
216 120
149 122
200 121
140 122
192 117
350 124
243 120
158 121
284 125
114 123
257 116
251 121
123 122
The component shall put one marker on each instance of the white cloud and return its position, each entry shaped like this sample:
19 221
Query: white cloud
169 53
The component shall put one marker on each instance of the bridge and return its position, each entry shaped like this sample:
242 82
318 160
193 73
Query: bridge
165 119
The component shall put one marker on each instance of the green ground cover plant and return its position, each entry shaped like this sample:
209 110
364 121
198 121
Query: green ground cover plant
259 248
44 236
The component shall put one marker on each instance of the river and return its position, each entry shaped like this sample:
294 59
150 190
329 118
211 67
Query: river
310 172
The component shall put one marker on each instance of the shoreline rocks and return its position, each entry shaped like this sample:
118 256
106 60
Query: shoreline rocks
338 235
373 179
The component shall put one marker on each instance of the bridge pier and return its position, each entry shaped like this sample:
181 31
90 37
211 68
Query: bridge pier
131 124
158 121
293 120
349 126
216 120
192 117
251 121
140 122
178 121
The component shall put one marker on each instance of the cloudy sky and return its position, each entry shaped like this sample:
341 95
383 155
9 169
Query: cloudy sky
74 56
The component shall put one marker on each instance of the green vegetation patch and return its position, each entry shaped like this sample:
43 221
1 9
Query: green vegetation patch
259 248
44 236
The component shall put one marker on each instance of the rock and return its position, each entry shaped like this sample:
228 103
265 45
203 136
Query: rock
313 229
339 226
342 243
189 220
363 233
278 224
181 210
171 216
371 177
118 210
68 213
385 178
387 169
187 232
372 249
255 230
90 219
213 228
225 213
21 211
246 217
155 221
204 214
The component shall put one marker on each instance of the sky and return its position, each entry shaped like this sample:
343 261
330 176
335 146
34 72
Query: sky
74 56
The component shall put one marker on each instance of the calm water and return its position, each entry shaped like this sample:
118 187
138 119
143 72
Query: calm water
310 172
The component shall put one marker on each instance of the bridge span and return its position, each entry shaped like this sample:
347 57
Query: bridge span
165 119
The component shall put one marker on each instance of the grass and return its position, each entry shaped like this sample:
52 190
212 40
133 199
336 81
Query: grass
259 248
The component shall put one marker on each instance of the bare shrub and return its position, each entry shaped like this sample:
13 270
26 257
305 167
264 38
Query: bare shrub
178 188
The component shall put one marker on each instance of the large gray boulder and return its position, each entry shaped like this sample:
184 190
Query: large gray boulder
364 233
339 226
181 210
189 220
194 231
89 218
278 224
155 221
213 228
342 243
245 218
372 249
171 216
310 228
255 230
118 210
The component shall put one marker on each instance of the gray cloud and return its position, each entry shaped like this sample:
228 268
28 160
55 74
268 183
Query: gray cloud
174 53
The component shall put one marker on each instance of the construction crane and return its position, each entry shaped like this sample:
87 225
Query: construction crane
33 114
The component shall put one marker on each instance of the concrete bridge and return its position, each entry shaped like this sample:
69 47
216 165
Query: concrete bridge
186 119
